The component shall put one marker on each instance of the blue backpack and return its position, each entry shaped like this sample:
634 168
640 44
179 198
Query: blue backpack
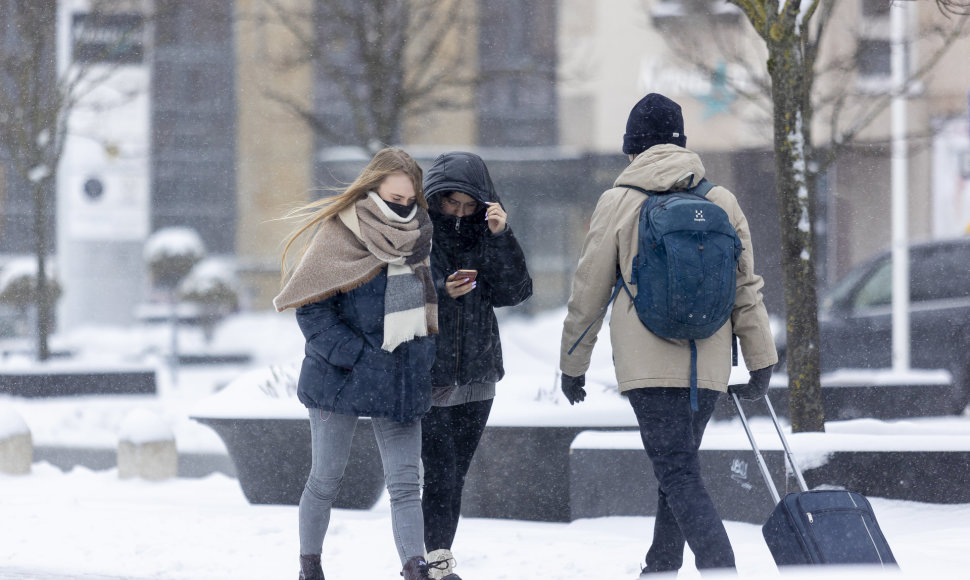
685 268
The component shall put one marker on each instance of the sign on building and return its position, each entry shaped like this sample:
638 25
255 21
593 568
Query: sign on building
103 179
108 38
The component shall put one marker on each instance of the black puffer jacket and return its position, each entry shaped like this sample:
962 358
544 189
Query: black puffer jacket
469 348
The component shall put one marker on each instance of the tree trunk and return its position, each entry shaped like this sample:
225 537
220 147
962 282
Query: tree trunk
788 82
40 249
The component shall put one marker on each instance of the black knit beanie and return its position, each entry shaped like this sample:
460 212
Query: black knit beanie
655 120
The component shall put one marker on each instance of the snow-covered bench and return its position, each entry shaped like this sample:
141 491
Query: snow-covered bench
925 459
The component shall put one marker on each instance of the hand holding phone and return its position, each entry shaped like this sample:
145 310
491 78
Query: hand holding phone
460 283
467 275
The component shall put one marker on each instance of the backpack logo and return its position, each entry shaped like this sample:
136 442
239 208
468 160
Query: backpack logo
699 215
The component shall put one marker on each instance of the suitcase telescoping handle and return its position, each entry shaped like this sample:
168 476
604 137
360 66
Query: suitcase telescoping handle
757 452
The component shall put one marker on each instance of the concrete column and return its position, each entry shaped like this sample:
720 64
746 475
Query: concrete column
146 447
16 444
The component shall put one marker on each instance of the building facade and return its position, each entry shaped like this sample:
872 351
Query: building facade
193 120
237 100
694 51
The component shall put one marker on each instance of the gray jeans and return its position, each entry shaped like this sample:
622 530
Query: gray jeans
400 446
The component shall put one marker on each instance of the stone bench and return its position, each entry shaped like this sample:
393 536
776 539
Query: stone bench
610 474
854 393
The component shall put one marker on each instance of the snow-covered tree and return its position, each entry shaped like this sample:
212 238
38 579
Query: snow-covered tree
212 286
792 32
171 253
20 286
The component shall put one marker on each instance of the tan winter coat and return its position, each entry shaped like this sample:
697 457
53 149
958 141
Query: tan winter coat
641 358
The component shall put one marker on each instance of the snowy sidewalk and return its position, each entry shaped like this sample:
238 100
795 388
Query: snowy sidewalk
21 574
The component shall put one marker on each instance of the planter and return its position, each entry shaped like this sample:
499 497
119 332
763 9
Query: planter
266 431
522 473
518 472
272 460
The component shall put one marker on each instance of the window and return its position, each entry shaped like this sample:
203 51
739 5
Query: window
875 8
877 290
685 12
874 57
940 273
937 272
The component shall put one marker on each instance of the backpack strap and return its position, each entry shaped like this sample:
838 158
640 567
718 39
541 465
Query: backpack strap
702 188
616 290
693 376
640 189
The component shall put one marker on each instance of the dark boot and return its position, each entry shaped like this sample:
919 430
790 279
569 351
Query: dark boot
416 569
310 568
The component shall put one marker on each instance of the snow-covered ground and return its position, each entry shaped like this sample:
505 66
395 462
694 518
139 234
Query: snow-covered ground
56 524
85 522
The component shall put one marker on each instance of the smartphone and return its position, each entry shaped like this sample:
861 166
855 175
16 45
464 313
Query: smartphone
468 275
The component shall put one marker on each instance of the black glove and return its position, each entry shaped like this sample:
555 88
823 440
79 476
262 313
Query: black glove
756 387
572 387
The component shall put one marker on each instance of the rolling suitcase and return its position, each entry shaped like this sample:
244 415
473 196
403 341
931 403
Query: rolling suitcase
818 527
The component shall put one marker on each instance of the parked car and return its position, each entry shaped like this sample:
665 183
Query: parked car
855 316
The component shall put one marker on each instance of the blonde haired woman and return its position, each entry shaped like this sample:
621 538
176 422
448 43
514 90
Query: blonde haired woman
366 303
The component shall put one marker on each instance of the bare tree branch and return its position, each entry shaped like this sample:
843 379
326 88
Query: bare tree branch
385 59
845 137
954 7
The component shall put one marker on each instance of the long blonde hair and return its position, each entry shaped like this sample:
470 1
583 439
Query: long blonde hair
385 162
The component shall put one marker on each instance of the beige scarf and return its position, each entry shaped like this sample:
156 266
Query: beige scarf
349 250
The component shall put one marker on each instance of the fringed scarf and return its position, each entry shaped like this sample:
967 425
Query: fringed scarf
349 250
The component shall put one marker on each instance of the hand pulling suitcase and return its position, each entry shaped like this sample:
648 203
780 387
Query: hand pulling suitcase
818 527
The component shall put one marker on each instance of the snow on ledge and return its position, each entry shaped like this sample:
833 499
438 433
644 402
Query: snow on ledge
142 426
11 423
931 434
875 378
266 393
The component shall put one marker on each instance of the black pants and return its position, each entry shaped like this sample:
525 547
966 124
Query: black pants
449 437
671 436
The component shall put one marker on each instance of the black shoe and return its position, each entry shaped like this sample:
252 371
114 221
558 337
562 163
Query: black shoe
415 569
310 568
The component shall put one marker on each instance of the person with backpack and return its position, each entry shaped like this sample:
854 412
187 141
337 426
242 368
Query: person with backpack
696 287
478 266
365 301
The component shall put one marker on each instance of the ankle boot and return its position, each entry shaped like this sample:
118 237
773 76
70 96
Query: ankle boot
441 564
310 568
415 569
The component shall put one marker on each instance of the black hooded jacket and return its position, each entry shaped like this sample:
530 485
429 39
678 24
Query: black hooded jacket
469 348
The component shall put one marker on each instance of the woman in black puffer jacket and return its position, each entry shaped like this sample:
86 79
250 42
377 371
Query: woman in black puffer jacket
470 233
